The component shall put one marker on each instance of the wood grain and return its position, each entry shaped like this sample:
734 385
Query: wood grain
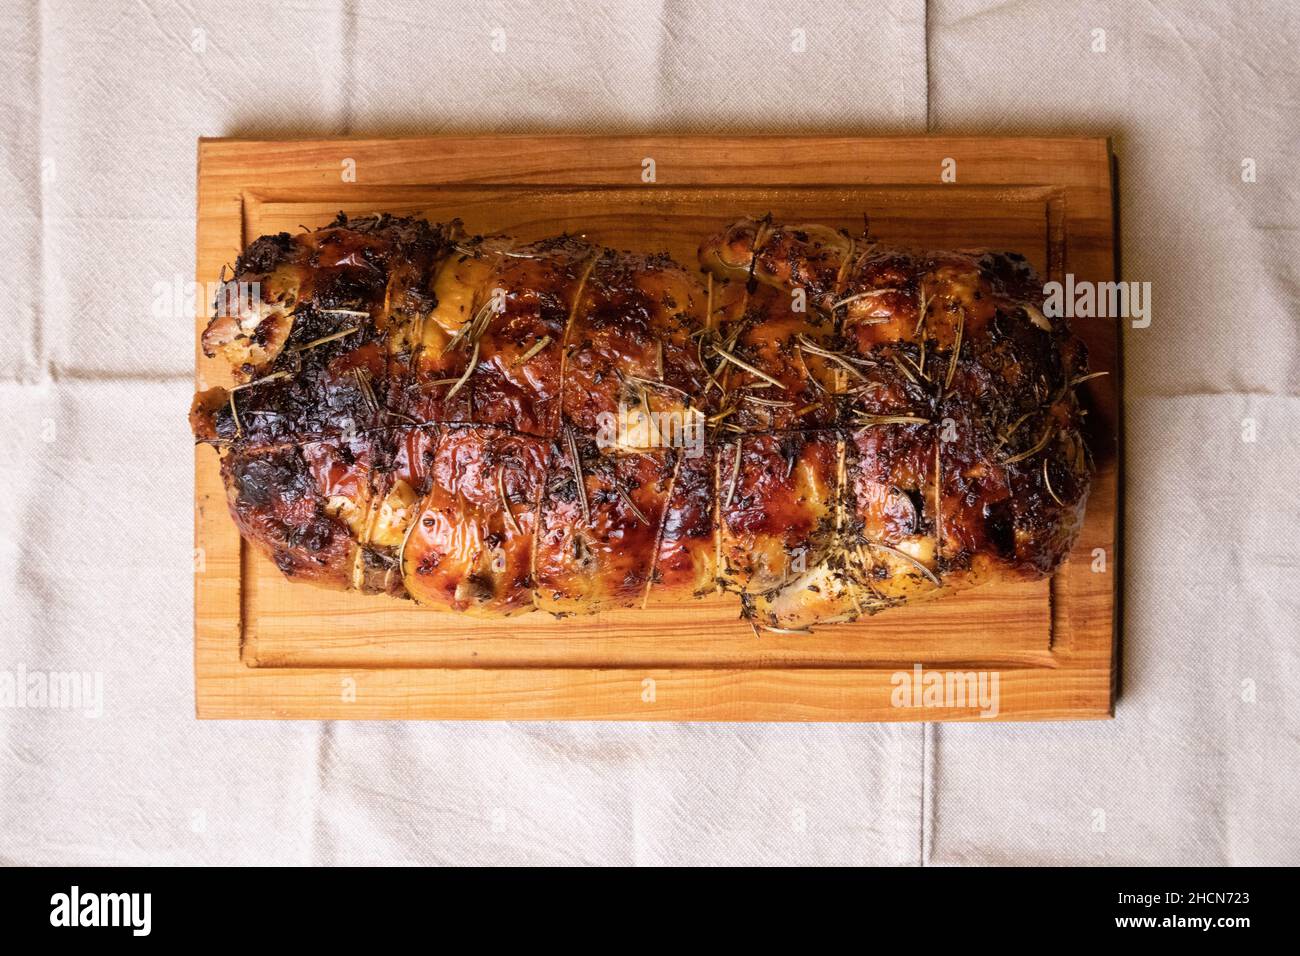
268 648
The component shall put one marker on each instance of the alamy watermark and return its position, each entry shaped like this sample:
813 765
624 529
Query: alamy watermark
947 689
22 689
1101 300
74 908
179 299
636 428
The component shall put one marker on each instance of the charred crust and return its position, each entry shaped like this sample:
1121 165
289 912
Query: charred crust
265 254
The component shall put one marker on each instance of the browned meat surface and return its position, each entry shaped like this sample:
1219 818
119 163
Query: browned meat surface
822 425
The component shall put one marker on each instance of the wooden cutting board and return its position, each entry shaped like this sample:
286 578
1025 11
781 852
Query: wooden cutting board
265 647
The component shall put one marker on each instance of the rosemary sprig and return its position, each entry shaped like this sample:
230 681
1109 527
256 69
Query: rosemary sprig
482 247
540 344
745 366
922 308
627 500
354 312
1048 482
1039 445
1083 378
735 477
472 330
861 295
1005 436
770 403
862 418
367 391
650 383
576 463
708 373
903 368
805 344
469 370
326 338
234 412
956 350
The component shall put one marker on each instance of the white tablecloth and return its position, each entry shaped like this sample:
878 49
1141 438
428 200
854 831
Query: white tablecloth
100 106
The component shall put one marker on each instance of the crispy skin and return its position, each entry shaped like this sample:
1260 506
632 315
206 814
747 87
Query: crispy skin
963 460
464 552
489 427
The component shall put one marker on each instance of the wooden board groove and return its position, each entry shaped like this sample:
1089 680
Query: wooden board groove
268 648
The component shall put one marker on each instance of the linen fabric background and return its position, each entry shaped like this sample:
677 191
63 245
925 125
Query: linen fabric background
100 106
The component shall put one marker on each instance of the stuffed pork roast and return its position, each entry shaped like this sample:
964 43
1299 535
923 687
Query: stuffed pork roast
821 425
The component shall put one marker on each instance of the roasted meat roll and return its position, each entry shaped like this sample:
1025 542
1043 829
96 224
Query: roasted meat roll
824 426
